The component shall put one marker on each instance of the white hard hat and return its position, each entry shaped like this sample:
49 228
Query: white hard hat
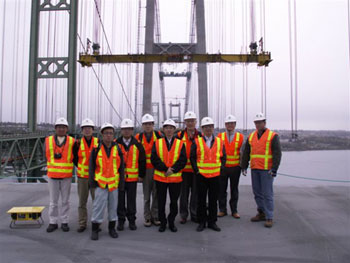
190 115
61 121
147 118
207 121
259 117
169 122
87 123
230 118
127 123
106 125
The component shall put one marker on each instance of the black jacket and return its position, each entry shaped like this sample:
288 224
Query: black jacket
193 156
159 165
92 165
76 147
142 154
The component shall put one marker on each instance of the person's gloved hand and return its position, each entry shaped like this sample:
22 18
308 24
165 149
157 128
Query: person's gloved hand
273 173
244 172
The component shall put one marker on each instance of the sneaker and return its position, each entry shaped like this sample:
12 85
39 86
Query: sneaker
65 227
221 214
147 223
268 223
51 228
156 222
259 217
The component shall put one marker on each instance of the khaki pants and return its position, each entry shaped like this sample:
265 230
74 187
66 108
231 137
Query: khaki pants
83 193
149 188
59 187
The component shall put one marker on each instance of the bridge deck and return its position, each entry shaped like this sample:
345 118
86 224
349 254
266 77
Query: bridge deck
312 225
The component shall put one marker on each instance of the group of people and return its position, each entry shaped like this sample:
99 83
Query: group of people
190 165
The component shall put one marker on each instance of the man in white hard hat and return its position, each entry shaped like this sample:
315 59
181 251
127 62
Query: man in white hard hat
106 174
208 158
135 168
168 158
147 139
59 156
188 185
263 150
233 142
82 149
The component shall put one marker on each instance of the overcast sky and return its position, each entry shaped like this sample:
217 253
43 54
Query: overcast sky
322 54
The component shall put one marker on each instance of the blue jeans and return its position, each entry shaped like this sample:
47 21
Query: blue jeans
262 184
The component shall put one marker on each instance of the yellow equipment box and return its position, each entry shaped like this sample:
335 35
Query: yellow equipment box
26 213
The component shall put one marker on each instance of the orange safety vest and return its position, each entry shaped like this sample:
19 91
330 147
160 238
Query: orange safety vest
131 160
260 150
107 168
232 148
169 158
208 159
147 146
63 167
84 156
188 143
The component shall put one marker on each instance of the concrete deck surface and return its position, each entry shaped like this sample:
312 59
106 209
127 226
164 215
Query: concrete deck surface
312 224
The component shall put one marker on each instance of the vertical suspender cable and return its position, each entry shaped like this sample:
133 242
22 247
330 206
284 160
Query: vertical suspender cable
296 67
291 66
2 61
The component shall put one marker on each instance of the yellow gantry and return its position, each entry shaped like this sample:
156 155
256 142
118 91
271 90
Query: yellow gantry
262 59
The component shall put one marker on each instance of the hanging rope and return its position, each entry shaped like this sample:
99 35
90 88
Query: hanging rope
99 82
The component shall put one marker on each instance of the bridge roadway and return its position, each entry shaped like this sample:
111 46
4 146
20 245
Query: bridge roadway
312 224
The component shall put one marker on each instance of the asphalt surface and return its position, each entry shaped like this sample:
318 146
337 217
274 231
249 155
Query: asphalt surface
312 224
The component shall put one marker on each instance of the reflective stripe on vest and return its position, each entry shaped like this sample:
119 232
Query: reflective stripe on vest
84 156
169 158
148 148
131 159
208 159
188 143
260 150
63 167
107 168
232 149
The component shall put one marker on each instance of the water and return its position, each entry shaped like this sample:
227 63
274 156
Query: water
330 165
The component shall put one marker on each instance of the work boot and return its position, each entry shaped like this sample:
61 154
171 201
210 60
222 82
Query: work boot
95 228
120 226
111 229
51 228
268 223
81 229
132 225
65 227
260 216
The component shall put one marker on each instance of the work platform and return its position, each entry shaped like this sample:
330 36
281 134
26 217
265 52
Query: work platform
312 224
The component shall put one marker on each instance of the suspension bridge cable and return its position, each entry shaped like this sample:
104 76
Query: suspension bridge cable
110 50
291 66
296 66
99 82
2 60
